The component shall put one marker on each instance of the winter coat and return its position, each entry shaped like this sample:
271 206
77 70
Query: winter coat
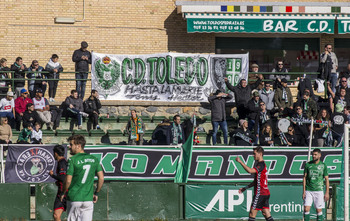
31 118
91 105
49 68
237 141
268 98
21 104
35 75
19 73
278 98
4 83
253 108
242 94
81 65
218 104
76 102
161 135
311 110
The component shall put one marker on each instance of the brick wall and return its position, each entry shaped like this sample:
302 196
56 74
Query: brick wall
27 29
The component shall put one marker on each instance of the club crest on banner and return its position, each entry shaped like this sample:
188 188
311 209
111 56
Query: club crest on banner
33 165
107 72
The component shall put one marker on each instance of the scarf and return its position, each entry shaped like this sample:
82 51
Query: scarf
264 117
177 132
244 137
305 104
136 128
53 64
266 91
284 95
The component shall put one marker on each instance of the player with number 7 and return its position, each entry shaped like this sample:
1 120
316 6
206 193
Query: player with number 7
82 168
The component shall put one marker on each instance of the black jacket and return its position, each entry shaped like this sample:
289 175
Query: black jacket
293 139
52 74
265 138
218 104
161 135
31 118
260 121
242 94
18 73
253 108
91 105
81 65
238 141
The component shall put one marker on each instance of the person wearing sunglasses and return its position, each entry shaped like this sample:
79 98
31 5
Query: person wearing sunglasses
292 139
329 61
300 127
261 119
278 76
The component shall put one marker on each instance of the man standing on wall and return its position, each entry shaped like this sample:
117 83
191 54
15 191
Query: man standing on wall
330 61
314 173
82 59
79 182
261 190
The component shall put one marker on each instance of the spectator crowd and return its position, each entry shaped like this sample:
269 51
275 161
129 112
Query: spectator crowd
267 112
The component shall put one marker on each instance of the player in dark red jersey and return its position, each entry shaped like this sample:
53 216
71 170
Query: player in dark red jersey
59 206
261 191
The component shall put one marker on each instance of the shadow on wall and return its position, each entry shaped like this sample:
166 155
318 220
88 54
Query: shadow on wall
181 41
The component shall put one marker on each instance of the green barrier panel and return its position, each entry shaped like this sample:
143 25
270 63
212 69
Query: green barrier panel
144 201
45 197
205 201
14 201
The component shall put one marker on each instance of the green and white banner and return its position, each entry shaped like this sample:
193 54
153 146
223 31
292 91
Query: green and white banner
165 77
208 164
260 23
225 202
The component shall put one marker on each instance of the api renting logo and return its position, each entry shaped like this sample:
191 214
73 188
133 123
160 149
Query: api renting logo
34 164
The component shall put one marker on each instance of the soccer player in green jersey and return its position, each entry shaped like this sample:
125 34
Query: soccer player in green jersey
79 182
314 173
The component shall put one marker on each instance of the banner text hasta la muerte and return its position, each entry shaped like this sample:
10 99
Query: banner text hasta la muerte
165 77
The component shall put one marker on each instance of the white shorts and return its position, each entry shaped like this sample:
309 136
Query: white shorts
80 211
314 196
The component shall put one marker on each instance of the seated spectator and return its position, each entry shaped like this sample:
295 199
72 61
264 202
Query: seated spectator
37 135
218 114
75 107
283 99
19 72
135 129
20 107
161 135
56 115
309 106
338 119
177 132
42 107
25 135
253 109
36 79
4 84
267 96
5 132
292 139
278 77
266 138
7 108
54 68
242 93
341 99
322 129
300 126
242 135
30 116
92 105
261 119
